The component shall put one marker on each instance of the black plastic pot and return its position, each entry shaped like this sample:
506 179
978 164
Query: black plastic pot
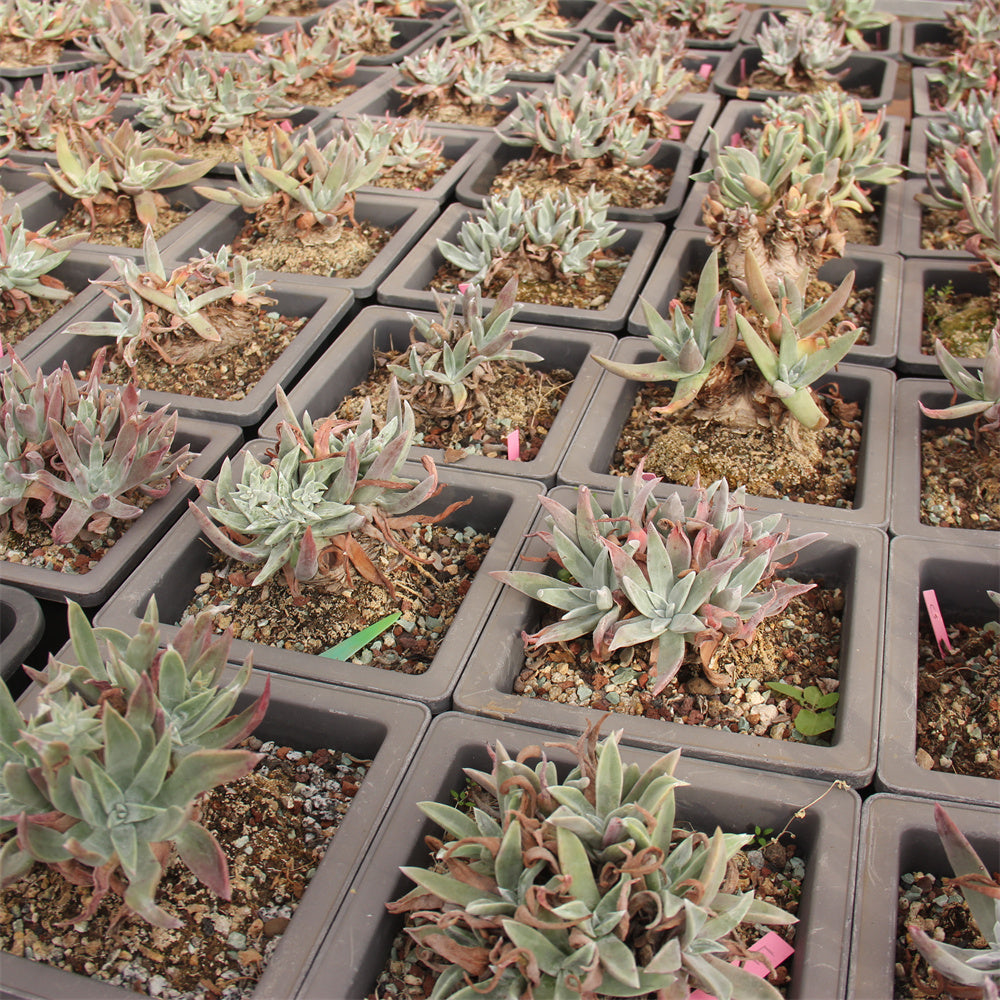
911 227
921 33
323 307
920 274
214 442
503 506
898 835
407 285
21 626
358 945
908 426
474 187
462 147
863 69
406 218
884 41
348 361
738 116
603 28
888 202
304 715
688 251
592 449
852 558
960 575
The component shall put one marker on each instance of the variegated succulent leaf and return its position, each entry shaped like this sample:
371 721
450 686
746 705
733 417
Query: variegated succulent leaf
982 388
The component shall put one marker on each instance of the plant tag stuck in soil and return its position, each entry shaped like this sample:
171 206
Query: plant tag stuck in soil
937 622
772 946
514 446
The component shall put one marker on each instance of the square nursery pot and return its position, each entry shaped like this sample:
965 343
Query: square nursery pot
575 44
920 93
474 186
603 28
367 82
908 427
21 626
70 60
688 251
916 163
852 558
887 200
960 575
213 442
885 40
462 147
503 506
405 217
912 227
898 836
863 70
384 100
307 716
348 362
76 272
323 307
406 286
359 943
42 204
917 33
411 34
592 449
15 182
919 275
738 116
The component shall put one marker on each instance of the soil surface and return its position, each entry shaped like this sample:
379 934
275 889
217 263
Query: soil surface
129 232
409 179
959 485
22 52
16 328
317 92
962 321
456 113
274 827
764 79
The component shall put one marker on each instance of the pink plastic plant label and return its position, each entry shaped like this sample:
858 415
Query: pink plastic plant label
937 622
462 288
772 946
514 446
705 70
675 132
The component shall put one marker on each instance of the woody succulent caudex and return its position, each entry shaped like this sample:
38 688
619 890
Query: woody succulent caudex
580 886
104 781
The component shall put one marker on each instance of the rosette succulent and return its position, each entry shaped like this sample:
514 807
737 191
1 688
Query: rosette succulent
801 47
444 73
704 18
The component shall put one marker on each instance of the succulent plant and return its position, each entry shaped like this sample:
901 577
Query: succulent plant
215 19
972 67
445 73
81 451
704 18
402 145
216 297
298 513
117 176
983 389
670 574
99 792
974 23
965 969
358 26
666 42
801 47
448 356
614 880
41 20
26 260
967 124
491 25
549 239
29 119
296 56
855 16
963 171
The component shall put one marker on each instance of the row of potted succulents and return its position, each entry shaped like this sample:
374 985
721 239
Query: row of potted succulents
638 584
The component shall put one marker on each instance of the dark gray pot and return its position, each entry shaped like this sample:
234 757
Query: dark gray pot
21 626
17 182
890 211
71 60
923 105
462 147
348 361
306 715
920 33
368 82
407 285
906 463
919 274
603 29
214 442
960 575
411 34
898 836
852 558
884 41
407 218
688 251
737 116
917 160
503 506
474 187
77 271
878 72
324 307
911 227
717 795
591 451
